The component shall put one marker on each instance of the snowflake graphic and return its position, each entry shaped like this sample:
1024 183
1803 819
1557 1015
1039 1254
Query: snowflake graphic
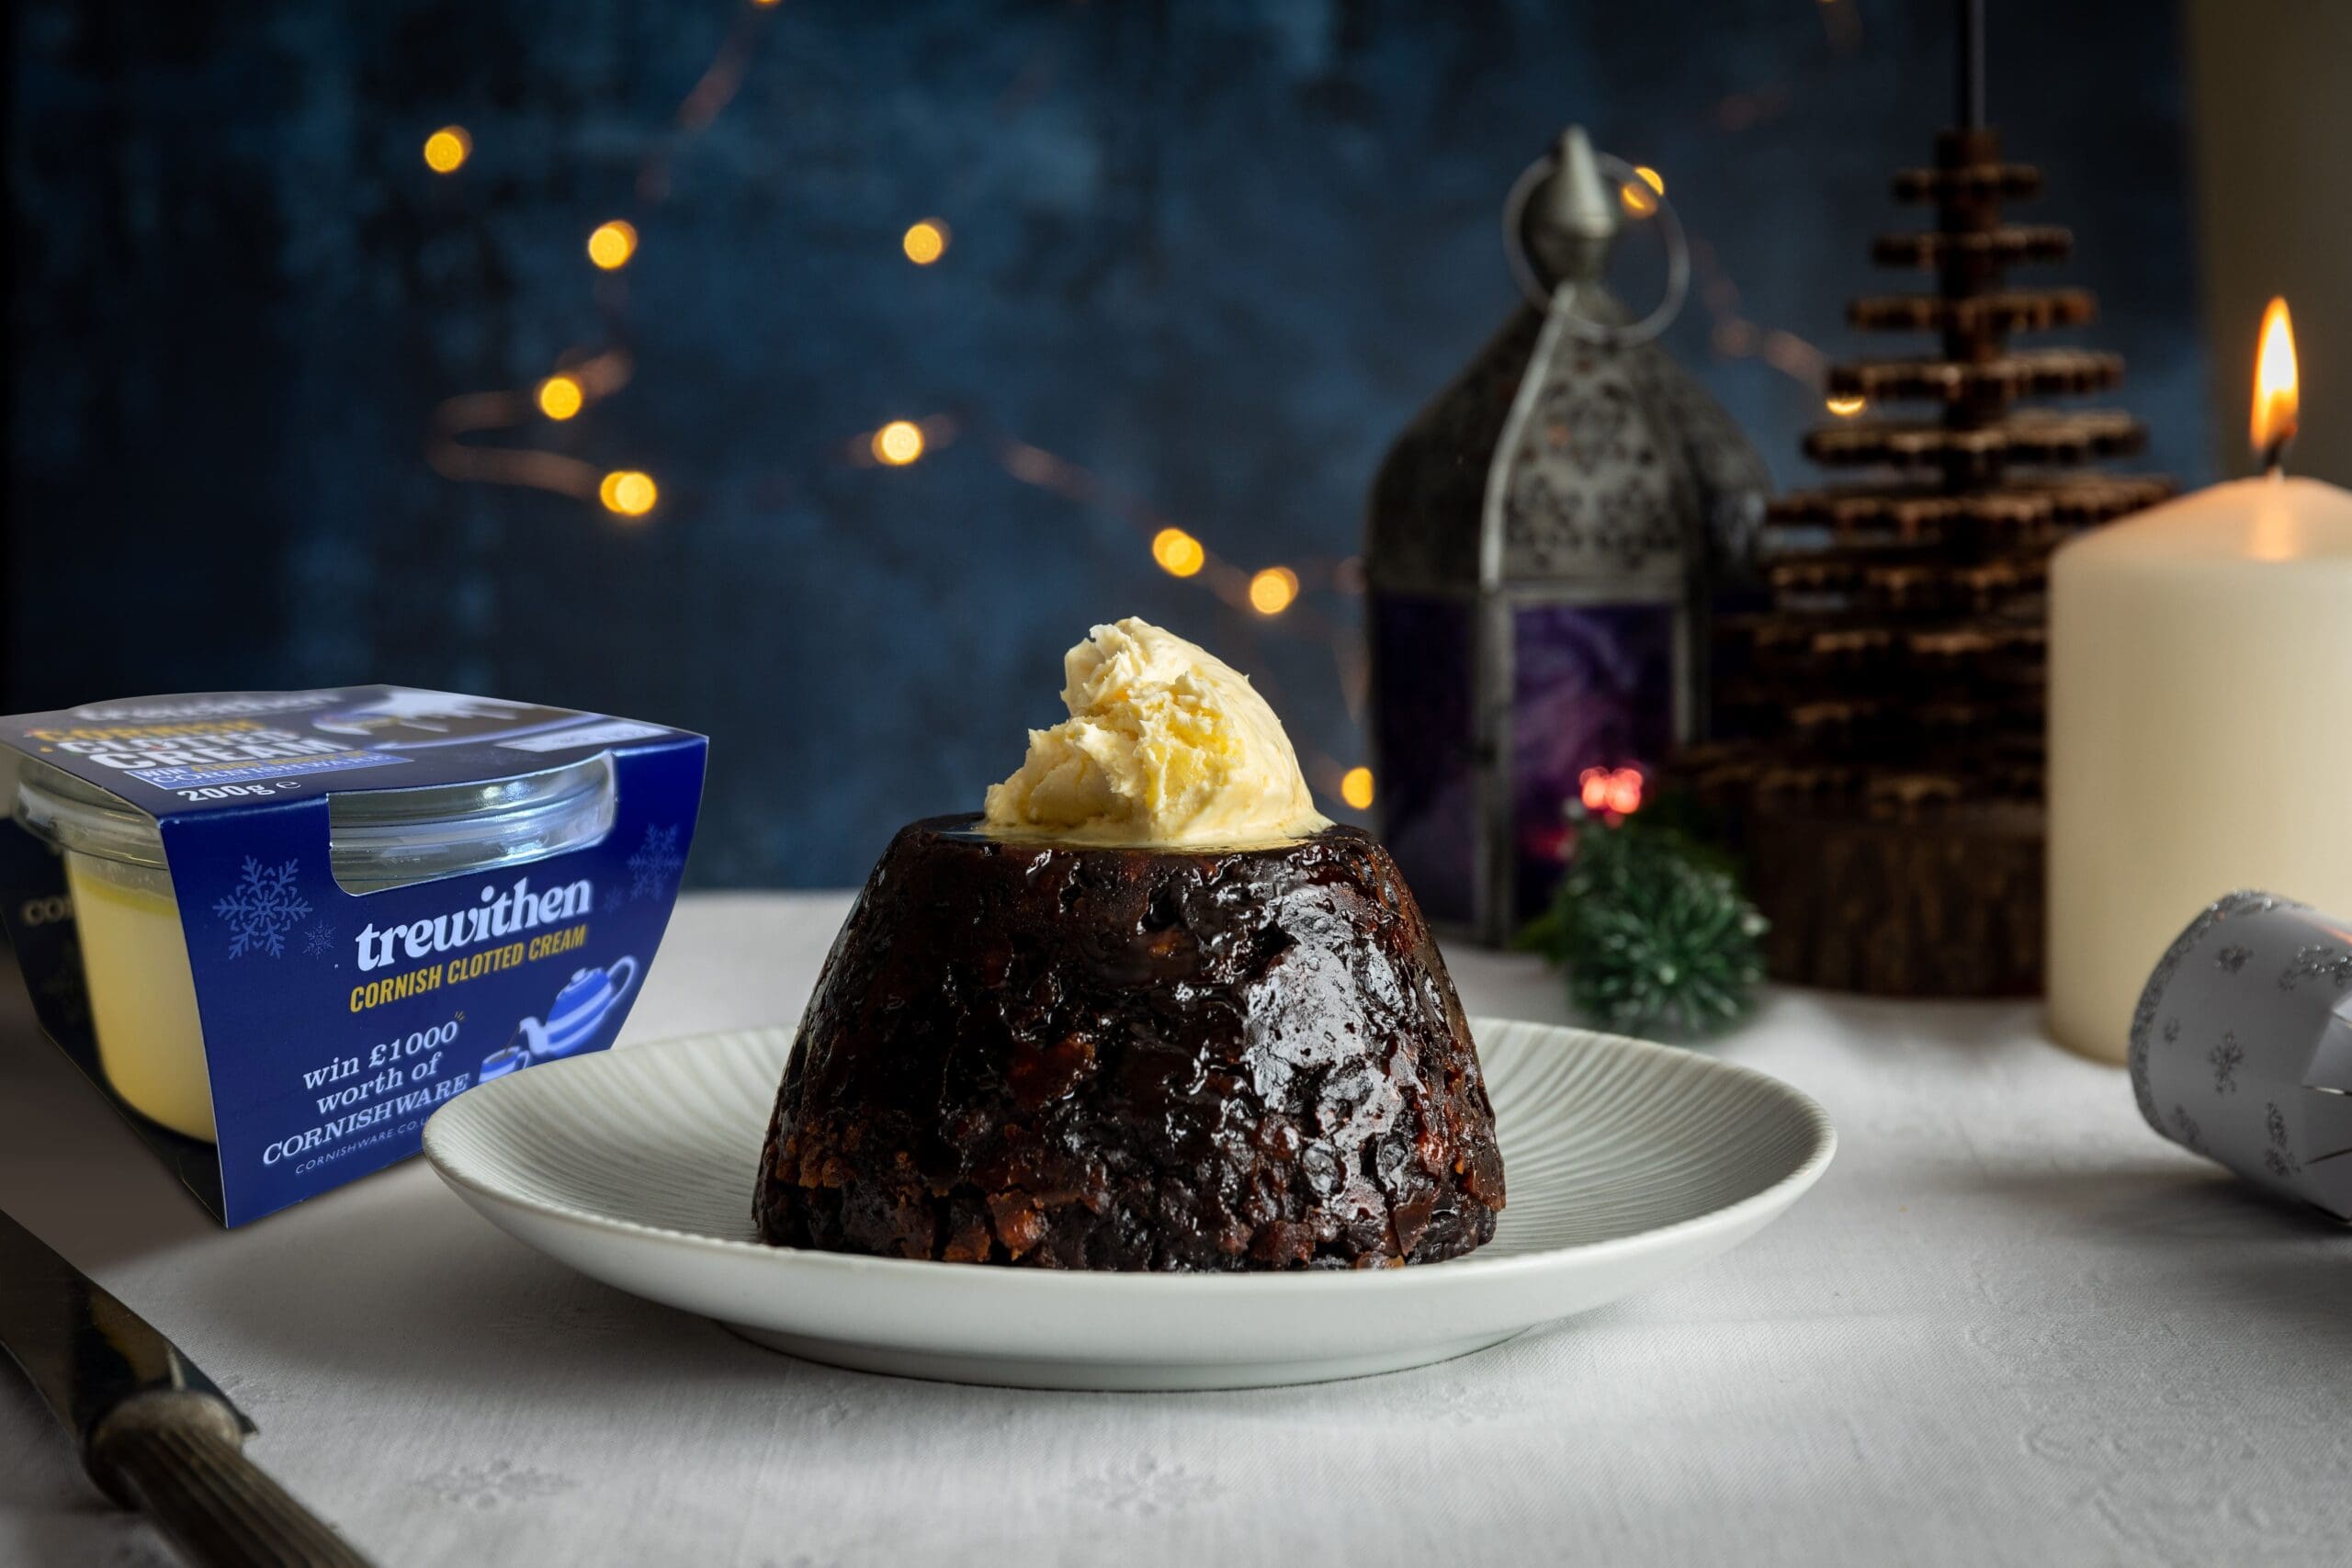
615 901
2172 1030
656 863
317 940
2225 1058
2318 963
2232 958
264 910
2274 1121
1454 1405
1146 1488
493 1485
2281 1164
2185 1126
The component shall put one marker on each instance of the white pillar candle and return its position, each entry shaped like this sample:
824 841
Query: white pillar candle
2201 726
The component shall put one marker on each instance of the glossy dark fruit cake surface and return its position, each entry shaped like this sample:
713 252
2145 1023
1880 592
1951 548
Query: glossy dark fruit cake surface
1085 1057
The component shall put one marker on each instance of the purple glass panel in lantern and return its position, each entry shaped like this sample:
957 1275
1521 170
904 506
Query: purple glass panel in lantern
1592 687
1426 728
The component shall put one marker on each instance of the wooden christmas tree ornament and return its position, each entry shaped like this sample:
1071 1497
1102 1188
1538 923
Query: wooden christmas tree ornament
1887 784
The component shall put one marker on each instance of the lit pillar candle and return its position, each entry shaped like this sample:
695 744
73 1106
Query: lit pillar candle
2201 660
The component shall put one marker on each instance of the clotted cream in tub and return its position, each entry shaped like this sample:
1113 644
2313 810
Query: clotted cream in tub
289 924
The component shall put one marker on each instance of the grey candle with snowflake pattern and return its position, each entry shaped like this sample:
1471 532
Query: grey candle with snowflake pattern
2241 1047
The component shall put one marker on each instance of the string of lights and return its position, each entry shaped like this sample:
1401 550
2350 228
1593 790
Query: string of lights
573 388
1269 594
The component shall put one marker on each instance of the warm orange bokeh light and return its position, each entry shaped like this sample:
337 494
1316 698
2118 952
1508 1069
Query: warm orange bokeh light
2276 398
611 245
1272 591
897 442
1617 790
1178 553
1355 787
561 397
446 150
1844 408
1640 194
628 492
925 242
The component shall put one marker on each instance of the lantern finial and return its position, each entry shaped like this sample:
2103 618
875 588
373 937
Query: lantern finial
1570 222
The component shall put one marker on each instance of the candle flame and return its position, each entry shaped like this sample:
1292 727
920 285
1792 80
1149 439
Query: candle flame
2275 400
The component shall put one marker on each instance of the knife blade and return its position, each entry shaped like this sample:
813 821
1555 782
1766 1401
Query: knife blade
153 1431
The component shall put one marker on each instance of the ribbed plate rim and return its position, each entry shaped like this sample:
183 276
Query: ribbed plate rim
449 1164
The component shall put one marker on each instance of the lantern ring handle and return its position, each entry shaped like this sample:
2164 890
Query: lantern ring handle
1522 270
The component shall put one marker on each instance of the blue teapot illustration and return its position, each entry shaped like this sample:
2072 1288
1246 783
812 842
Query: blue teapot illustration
502 1061
580 1010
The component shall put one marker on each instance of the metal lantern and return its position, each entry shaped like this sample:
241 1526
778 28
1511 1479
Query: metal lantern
1542 544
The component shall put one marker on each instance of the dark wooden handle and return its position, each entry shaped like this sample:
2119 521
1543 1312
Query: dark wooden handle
179 1458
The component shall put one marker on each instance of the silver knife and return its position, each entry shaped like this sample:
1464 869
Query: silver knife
153 1432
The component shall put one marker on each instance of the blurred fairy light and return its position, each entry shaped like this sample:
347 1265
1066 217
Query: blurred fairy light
1355 787
1273 590
1640 195
925 242
1844 408
1617 791
627 493
561 397
897 442
589 376
446 150
1178 553
610 246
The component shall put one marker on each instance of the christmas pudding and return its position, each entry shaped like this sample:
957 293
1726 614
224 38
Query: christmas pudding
1147 1012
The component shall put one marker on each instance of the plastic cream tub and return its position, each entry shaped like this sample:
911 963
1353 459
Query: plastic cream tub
141 988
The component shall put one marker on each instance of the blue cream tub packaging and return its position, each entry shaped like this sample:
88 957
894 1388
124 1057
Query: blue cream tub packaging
280 928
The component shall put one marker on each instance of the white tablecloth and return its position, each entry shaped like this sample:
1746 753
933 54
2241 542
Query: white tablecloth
2008 1327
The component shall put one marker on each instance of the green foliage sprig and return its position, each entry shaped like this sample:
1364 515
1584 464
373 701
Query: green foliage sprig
1653 929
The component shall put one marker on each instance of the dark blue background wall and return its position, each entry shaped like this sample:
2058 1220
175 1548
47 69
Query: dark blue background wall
1210 255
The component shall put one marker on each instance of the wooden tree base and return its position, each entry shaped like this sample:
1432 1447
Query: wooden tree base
1950 906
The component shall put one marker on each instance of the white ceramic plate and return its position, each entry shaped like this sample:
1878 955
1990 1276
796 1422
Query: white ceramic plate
1626 1163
